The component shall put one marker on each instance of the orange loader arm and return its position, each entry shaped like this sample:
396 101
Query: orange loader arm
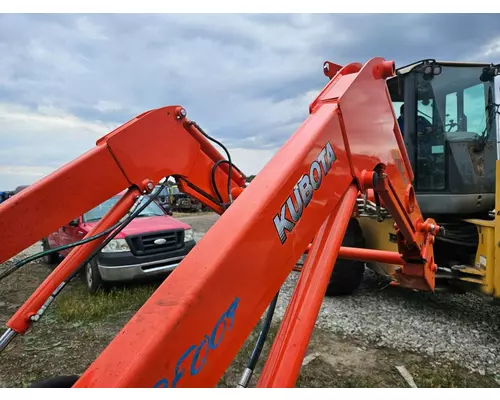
189 331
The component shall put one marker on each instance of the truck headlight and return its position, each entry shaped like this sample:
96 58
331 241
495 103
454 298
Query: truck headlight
115 246
188 235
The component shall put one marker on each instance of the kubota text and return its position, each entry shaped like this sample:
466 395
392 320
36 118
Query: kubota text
303 192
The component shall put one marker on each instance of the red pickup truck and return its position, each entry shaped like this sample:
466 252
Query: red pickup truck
152 245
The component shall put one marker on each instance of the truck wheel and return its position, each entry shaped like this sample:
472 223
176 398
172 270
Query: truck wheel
52 258
348 274
92 277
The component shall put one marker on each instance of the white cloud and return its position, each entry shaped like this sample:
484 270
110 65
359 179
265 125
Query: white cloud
251 161
87 28
40 140
106 106
46 119
66 80
491 50
17 175
488 51
48 138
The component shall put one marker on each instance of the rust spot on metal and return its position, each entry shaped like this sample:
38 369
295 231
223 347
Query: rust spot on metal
477 159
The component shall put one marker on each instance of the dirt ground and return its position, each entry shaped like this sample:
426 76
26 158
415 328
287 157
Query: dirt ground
78 327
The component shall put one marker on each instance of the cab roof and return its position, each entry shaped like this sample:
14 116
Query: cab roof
408 68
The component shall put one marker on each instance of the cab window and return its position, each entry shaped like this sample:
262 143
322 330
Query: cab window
474 109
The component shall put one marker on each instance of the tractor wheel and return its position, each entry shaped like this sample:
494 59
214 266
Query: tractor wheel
348 274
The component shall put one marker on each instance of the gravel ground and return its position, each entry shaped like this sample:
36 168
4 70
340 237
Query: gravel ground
200 223
461 328
464 329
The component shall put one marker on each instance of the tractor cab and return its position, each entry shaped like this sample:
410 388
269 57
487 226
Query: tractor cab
448 115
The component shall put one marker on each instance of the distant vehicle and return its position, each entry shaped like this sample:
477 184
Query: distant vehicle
152 245
183 202
172 199
4 195
164 199
19 188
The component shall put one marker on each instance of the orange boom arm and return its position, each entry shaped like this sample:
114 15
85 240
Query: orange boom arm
192 327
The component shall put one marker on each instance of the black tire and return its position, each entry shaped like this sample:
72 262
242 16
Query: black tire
64 382
50 259
347 275
92 278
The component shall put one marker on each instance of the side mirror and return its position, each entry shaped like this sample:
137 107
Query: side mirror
74 222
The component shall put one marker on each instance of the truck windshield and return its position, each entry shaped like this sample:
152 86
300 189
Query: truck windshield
152 210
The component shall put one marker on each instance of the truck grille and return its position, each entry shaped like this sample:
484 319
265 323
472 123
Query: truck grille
145 244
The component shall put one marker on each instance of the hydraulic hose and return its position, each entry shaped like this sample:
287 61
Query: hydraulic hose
259 345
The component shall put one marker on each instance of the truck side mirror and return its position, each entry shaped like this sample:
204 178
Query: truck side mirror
74 222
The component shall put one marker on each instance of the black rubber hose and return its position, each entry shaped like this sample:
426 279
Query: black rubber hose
34 257
254 358
225 150
119 225
456 242
119 229
214 184
122 225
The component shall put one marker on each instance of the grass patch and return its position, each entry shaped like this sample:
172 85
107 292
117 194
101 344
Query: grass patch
233 374
349 364
449 376
77 305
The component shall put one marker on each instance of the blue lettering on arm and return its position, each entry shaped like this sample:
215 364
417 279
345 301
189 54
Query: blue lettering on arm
214 345
179 373
195 370
162 383
231 310
208 342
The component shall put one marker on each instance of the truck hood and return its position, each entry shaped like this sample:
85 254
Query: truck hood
143 225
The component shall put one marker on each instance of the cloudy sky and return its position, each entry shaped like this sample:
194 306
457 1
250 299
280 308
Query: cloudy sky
66 80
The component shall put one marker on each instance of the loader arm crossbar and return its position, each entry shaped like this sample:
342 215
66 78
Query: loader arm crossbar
188 332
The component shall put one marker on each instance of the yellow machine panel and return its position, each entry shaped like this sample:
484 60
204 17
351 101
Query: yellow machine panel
379 236
496 268
485 255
